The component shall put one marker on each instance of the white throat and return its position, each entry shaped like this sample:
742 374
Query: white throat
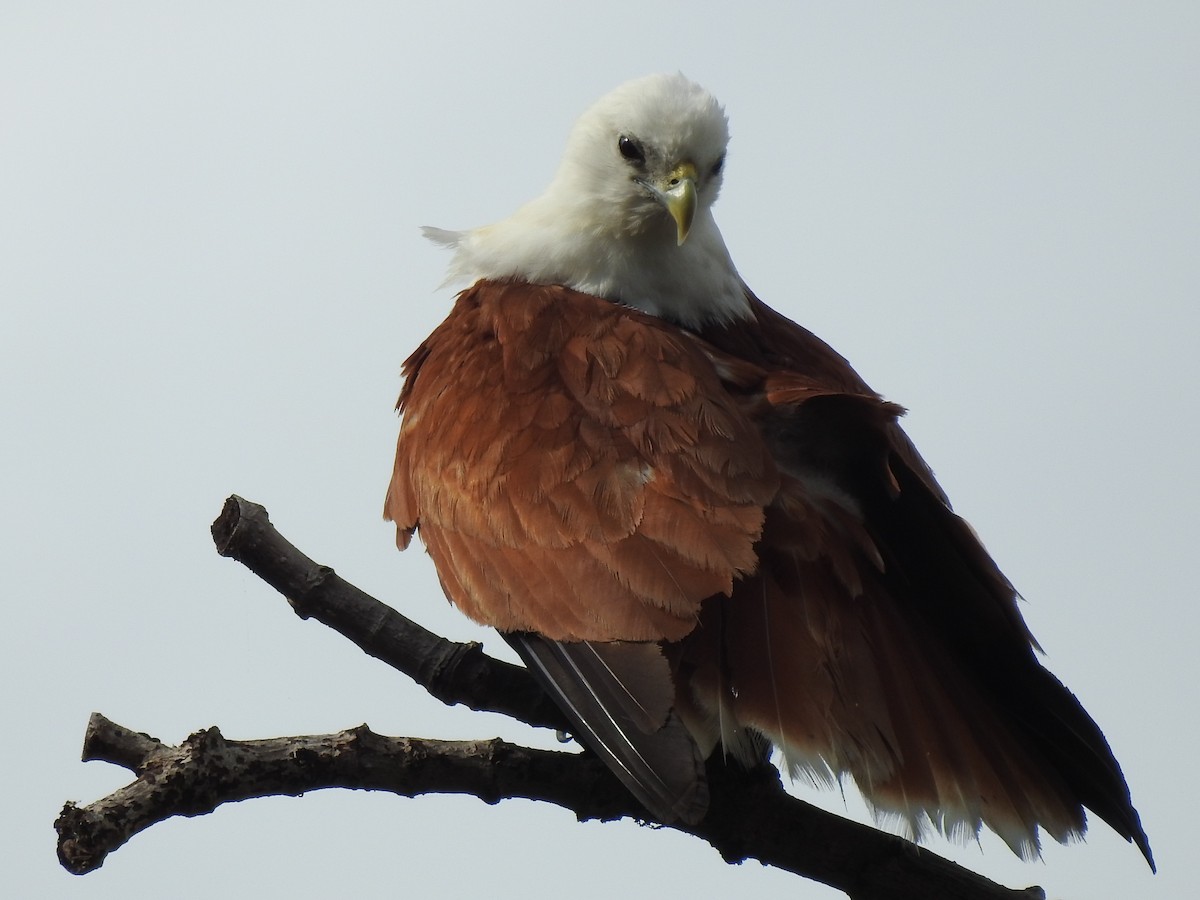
692 284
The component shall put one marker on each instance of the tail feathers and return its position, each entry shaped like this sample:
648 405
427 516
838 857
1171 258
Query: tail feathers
619 698
852 688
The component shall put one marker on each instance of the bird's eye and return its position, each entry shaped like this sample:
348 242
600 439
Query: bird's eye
718 166
631 150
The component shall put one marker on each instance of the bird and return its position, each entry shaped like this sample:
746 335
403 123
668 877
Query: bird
699 527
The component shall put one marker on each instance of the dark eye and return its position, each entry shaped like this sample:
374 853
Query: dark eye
631 150
717 166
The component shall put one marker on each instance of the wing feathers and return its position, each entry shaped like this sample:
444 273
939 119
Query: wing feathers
619 697
892 600
739 504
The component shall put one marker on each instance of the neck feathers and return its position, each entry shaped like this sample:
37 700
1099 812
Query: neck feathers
545 242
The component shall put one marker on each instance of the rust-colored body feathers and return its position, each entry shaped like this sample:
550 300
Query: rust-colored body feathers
548 446
584 472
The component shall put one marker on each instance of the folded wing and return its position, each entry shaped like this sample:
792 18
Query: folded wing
878 639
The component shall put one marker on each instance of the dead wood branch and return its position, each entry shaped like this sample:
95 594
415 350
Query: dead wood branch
750 817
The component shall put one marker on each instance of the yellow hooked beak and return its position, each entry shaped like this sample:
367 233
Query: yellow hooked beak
678 194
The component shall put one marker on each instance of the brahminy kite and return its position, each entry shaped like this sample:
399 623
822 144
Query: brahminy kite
700 528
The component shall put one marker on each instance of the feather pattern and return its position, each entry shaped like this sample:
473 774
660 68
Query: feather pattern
699 526
582 473
631 473
620 698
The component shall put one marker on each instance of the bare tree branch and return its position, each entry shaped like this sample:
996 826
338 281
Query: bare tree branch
452 672
751 816
207 770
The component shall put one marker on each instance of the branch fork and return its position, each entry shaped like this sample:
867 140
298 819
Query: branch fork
750 817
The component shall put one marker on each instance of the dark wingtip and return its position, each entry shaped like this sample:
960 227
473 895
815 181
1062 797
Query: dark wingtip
1139 840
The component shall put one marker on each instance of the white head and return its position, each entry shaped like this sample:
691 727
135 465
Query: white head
628 215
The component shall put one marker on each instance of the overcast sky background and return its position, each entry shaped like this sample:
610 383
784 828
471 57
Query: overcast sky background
211 270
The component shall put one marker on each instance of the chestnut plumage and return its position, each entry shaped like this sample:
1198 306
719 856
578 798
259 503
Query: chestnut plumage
700 527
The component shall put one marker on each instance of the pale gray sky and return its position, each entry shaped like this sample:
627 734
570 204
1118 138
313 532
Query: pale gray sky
211 270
